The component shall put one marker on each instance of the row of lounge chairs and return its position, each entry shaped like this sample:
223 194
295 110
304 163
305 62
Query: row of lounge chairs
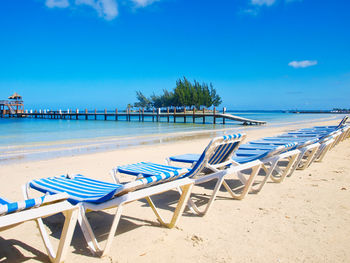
253 164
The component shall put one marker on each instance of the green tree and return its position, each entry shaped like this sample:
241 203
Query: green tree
185 94
143 101
215 98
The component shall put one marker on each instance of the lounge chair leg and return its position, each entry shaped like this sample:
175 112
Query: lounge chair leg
247 183
46 240
268 172
155 210
308 152
194 208
309 158
186 191
114 226
90 237
322 154
88 232
284 173
66 236
190 203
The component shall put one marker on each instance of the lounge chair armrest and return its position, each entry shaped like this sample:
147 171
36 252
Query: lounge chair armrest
34 213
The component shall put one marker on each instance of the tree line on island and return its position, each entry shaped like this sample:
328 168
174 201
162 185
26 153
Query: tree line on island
184 95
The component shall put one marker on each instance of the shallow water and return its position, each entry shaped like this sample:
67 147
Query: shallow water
27 138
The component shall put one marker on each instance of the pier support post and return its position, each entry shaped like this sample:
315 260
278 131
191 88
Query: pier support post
168 116
158 115
174 114
95 114
223 118
105 114
214 121
129 117
203 115
139 114
194 115
185 114
153 115
143 114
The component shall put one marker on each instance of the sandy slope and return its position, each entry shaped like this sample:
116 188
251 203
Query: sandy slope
304 219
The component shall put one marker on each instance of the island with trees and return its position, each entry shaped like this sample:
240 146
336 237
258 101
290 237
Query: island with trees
185 95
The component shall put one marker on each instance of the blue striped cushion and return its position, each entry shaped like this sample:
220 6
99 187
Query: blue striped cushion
283 140
247 159
185 158
78 187
248 146
11 207
3 201
152 169
250 152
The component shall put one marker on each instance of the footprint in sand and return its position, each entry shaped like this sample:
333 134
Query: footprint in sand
196 240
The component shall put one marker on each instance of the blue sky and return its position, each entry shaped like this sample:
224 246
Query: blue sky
259 54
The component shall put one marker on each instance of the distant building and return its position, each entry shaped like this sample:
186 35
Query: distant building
14 105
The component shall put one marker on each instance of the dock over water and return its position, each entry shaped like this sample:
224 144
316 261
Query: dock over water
140 115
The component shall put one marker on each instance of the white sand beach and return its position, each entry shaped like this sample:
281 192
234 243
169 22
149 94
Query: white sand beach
304 219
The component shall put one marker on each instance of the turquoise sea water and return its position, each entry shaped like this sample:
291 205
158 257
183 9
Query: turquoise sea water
26 138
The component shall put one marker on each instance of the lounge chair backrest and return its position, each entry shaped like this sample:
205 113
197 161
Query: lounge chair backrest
219 150
7 207
343 121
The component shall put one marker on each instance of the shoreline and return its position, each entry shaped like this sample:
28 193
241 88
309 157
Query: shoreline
74 147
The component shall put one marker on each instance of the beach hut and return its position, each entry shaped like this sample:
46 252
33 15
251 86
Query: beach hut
12 106
15 96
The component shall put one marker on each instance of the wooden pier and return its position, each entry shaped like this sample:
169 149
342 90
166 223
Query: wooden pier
155 115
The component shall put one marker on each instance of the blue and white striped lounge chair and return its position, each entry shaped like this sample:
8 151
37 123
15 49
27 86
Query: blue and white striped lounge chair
15 213
306 146
95 195
342 123
271 157
326 141
342 127
215 163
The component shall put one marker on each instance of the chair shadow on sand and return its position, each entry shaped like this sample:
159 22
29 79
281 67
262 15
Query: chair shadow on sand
101 222
201 198
9 252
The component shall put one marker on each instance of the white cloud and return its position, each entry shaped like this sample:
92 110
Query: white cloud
108 9
303 63
143 3
250 11
57 3
105 8
263 2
